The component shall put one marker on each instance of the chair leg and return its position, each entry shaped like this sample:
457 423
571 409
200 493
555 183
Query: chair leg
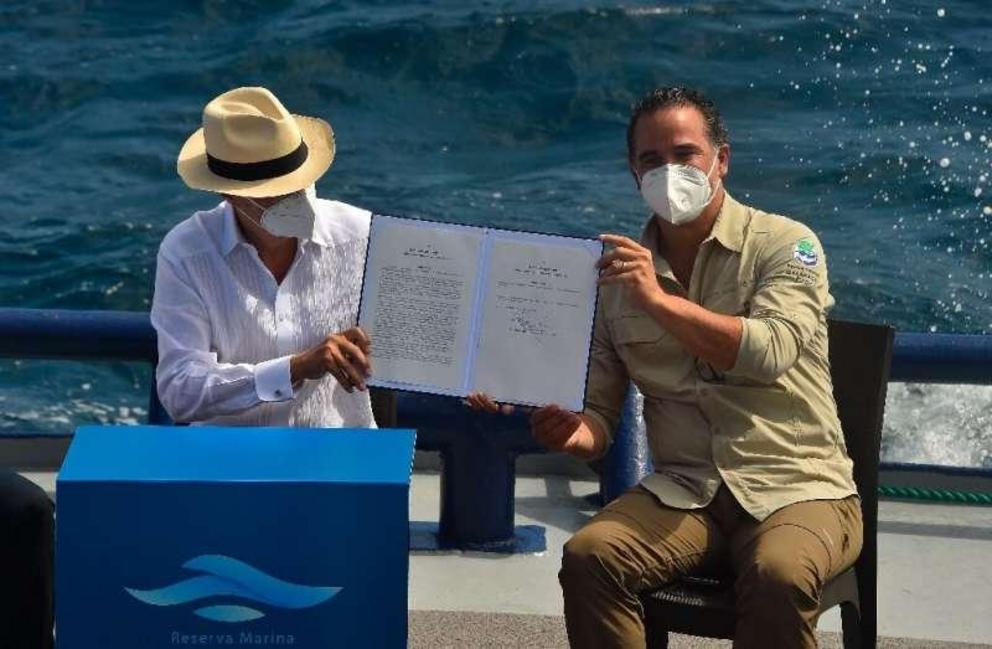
851 623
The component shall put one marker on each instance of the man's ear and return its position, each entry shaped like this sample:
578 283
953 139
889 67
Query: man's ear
723 155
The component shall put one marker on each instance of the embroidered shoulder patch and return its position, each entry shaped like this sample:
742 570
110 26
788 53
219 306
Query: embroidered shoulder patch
805 253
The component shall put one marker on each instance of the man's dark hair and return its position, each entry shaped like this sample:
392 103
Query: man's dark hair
672 97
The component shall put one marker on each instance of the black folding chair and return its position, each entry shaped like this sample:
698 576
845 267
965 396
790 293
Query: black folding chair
859 365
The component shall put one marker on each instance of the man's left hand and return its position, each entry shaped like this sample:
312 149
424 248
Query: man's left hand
629 264
482 401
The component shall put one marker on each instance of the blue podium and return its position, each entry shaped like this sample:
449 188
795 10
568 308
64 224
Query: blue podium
233 537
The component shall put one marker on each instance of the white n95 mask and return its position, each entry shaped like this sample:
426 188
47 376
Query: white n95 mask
678 193
293 216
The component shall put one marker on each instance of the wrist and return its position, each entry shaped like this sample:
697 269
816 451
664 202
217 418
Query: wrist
296 368
659 303
586 443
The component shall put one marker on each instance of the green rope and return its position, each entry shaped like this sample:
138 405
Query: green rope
938 495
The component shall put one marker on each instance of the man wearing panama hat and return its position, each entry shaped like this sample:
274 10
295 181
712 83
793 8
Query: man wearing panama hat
256 299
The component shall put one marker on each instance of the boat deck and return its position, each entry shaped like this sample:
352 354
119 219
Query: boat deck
935 575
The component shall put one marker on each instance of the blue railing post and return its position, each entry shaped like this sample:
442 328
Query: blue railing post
477 493
478 454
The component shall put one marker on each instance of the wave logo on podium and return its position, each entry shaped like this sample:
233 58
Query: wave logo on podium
227 577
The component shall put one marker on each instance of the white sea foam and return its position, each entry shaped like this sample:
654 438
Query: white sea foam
654 11
938 424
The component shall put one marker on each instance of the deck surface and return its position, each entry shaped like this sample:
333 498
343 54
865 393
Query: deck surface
458 630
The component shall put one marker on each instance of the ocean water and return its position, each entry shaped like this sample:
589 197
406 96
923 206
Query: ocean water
869 121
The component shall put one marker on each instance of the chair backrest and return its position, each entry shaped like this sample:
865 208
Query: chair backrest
860 355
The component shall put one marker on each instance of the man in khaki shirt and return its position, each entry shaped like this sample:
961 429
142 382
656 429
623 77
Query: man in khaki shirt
718 316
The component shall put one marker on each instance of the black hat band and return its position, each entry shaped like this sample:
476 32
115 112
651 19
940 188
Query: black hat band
259 170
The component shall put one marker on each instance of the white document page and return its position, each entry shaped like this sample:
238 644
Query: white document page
419 289
538 306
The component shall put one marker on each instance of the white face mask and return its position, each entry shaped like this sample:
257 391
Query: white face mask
293 216
678 193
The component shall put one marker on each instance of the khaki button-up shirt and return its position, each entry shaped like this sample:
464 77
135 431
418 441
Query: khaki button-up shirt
768 427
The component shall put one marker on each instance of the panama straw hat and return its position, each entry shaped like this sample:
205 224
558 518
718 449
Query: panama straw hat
250 145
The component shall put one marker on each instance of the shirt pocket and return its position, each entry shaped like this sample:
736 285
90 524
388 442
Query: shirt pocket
646 349
636 328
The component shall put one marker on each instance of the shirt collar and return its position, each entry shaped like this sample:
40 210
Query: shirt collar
321 234
231 236
651 239
729 226
230 233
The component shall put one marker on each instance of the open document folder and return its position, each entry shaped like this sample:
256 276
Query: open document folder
453 309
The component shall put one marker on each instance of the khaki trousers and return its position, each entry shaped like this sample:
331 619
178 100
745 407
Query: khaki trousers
636 544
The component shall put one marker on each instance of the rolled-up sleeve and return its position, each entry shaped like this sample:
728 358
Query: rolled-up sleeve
791 298
192 384
608 378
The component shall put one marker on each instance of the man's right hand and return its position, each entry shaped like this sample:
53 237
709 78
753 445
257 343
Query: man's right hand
344 355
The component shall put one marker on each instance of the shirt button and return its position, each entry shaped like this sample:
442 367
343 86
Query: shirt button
278 393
